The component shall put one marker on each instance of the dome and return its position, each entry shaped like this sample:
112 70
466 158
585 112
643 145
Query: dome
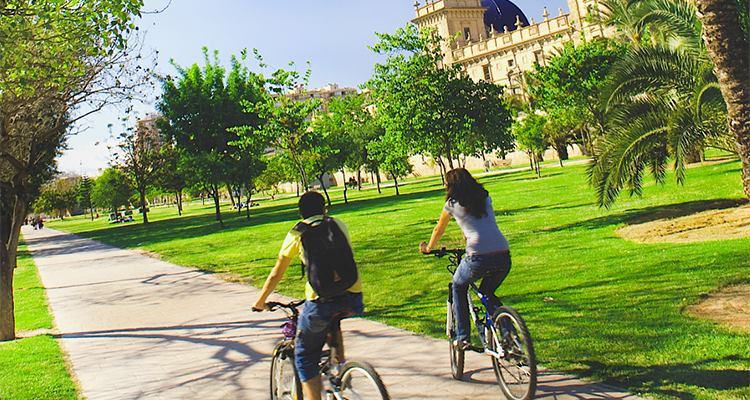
502 13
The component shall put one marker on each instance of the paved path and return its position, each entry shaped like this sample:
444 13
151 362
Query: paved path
135 327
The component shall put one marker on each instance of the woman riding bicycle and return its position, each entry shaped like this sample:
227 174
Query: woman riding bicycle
487 252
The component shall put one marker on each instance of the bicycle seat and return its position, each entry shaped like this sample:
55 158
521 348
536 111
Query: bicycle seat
341 315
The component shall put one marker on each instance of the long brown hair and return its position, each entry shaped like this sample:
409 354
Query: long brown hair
462 187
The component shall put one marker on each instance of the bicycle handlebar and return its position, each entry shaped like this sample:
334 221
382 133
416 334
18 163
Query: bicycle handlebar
440 253
291 306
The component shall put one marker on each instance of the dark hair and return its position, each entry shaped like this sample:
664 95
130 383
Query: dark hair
462 187
311 203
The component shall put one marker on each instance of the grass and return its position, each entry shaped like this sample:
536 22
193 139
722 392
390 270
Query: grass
617 313
33 368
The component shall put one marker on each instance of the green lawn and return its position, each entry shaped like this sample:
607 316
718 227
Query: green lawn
32 368
617 313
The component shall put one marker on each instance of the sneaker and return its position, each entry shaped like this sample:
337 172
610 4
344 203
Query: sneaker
461 344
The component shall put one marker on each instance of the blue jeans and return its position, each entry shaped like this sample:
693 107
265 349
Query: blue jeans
312 330
492 269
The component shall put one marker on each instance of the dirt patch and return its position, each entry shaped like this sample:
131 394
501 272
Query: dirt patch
729 306
720 224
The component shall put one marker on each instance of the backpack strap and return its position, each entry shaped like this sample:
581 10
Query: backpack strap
301 227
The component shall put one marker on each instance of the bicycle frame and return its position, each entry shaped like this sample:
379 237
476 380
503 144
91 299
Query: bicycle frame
328 366
484 327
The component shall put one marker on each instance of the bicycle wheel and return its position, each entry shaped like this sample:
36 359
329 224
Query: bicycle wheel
457 355
516 369
360 381
285 383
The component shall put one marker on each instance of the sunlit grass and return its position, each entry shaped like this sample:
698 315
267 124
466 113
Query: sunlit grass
617 313
33 368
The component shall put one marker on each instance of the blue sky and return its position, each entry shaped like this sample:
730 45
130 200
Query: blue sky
332 34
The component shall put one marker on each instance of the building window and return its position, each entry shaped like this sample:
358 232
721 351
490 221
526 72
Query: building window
487 73
538 57
467 33
511 63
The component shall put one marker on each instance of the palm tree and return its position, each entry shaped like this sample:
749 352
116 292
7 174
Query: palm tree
663 104
725 27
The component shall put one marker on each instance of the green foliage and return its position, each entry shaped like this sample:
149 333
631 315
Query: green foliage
139 158
83 192
285 122
54 33
663 102
199 107
529 131
112 190
434 106
743 11
57 197
571 83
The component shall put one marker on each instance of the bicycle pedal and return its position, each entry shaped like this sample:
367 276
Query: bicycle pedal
473 348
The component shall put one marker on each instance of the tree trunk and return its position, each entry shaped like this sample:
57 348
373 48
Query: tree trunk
7 313
441 168
323 185
728 49
215 195
249 198
377 176
359 180
343 179
395 181
143 206
179 202
231 197
9 236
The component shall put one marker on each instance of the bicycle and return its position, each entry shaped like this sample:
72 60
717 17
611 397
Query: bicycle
504 337
354 379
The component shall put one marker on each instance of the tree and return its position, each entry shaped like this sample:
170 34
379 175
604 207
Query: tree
276 171
432 104
139 158
336 138
529 131
390 152
112 190
172 175
199 107
285 122
83 194
573 81
727 43
663 103
54 57
57 197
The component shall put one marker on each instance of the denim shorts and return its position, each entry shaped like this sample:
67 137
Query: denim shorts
312 330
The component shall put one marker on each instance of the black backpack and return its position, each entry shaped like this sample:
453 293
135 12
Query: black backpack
327 255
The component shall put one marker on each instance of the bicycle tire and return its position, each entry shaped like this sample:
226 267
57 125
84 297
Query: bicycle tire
516 371
457 355
359 380
285 382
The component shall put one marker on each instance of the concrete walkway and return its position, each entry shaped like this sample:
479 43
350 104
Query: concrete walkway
135 327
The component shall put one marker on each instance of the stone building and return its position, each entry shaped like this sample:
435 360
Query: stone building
147 132
326 93
495 39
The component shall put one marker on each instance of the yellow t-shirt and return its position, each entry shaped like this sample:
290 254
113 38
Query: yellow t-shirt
292 247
